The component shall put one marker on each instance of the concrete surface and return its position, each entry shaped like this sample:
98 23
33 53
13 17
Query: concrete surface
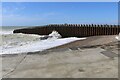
95 57
84 63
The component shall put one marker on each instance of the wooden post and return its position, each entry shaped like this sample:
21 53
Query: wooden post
87 30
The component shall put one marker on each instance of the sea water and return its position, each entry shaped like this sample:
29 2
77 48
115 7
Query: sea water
22 43
9 29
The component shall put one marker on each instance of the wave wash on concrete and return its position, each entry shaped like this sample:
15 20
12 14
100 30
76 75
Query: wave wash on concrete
72 30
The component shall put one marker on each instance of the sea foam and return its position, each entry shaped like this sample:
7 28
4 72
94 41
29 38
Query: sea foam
23 43
5 32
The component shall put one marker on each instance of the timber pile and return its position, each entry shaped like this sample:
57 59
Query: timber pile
72 30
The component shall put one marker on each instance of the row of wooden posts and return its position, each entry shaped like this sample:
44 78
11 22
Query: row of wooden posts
83 25
74 30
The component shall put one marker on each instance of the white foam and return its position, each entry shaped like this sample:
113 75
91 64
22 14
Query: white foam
55 34
118 37
32 35
6 32
39 45
23 43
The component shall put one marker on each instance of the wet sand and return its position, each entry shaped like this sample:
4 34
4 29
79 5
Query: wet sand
95 57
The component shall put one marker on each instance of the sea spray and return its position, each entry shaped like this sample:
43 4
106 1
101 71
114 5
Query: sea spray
118 37
55 34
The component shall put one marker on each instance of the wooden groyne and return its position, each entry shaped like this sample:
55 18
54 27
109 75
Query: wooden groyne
73 30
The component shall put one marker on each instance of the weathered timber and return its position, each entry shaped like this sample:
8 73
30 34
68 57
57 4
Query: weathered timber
72 30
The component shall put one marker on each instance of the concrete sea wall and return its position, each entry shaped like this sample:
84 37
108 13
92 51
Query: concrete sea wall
72 30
